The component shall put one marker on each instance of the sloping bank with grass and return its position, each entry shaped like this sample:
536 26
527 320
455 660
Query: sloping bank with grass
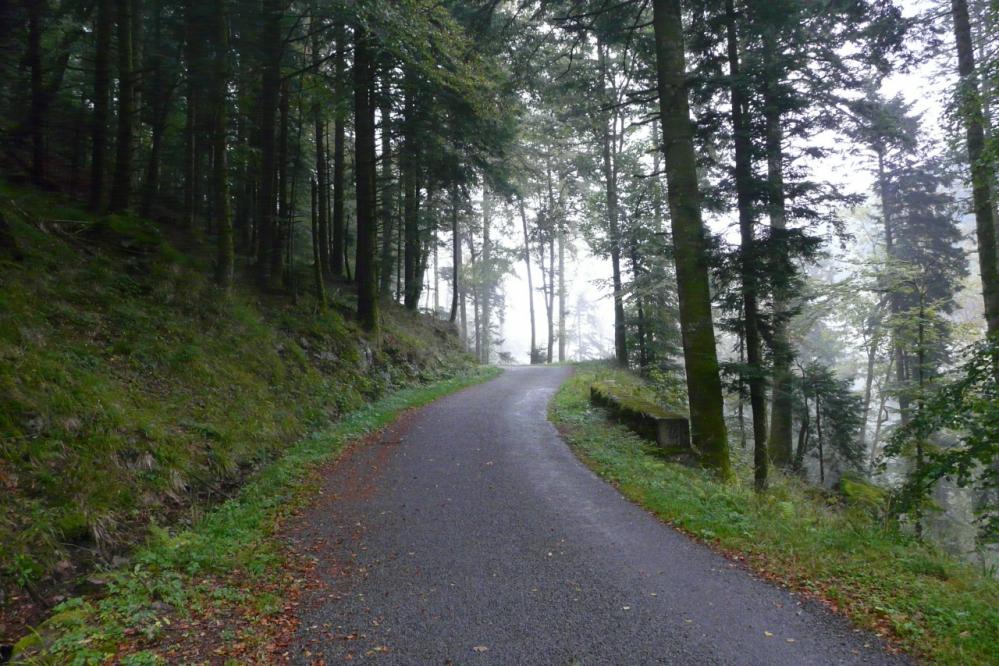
134 397
837 549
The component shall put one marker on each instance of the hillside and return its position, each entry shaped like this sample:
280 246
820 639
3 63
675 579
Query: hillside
133 393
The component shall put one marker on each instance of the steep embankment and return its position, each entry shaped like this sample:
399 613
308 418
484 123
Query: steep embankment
133 393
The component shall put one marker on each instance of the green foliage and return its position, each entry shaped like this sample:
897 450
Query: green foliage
937 608
120 358
836 418
967 405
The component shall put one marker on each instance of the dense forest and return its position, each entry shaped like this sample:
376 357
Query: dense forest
796 203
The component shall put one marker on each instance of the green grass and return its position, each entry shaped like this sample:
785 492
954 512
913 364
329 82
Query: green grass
935 607
134 394
236 536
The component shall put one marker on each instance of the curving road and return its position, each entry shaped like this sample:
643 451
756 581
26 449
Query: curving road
470 534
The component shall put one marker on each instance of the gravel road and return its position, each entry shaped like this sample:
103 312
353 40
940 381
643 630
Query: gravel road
470 534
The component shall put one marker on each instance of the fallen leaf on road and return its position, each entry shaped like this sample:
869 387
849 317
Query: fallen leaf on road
767 634
479 648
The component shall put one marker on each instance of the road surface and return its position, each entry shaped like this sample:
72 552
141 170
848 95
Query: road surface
470 534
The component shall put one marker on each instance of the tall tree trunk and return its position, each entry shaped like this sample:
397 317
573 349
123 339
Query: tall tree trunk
76 161
322 171
881 418
455 259
121 184
338 250
33 57
609 129
291 214
981 169
781 408
487 274
317 270
748 255
548 289
413 282
271 46
225 255
387 190
158 97
561 292
818 438
803 434
280 221
641 328
437 274
704 391
872 353
192 49
138 25
399 239
887 218
470 284
365 161
530 279
102 86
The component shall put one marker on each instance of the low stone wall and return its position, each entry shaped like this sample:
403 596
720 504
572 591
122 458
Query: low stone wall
671 430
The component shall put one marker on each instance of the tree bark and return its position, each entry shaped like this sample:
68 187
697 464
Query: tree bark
281 229
365 181
102 85
455 260
339 243
781 408
225 254
193 56
33 57
561 292
610 180
707 421
865 413
803 434
322 171
159 99
121 185
887 219
271 45
818 437
530 279
413 281
317 270
749 260
488 277
387 190
548 288
981 171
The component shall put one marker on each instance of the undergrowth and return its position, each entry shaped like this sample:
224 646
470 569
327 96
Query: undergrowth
134 394
812 541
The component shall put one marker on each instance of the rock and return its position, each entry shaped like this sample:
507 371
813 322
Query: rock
671 430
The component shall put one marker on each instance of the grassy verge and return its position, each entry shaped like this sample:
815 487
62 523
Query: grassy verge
134 394
228 559
930 604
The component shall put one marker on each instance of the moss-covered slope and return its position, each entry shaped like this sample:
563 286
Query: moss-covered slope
132 392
